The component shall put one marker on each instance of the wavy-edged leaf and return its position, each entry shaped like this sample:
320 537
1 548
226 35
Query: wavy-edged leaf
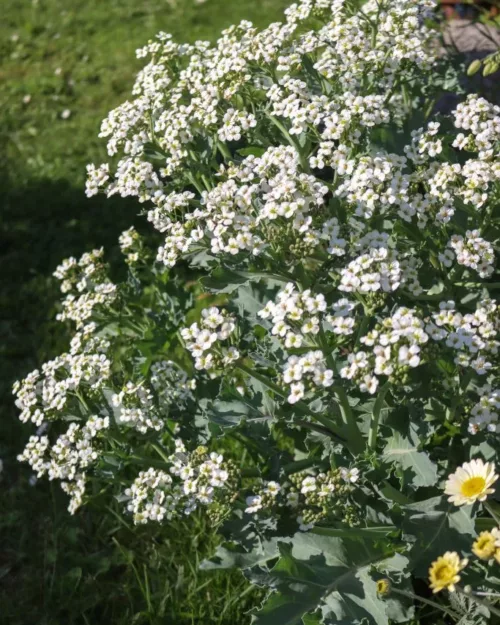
435 526
404 452
230 556
356 532
332 575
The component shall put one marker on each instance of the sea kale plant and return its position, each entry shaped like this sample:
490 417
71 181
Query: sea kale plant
312 357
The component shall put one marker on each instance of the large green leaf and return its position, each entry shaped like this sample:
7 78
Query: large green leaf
230 556
404 452
432 527
332 575
230 412
223 280
253 296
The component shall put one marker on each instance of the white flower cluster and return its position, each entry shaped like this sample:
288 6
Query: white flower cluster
234 124
473 336
136 408
68 459
375 271
396 344
188 90
307 368
482 120
424 144
268 494
195 478
485 414
309 496
294 315
129 241
258 198
297 317
46 394
203 340
474 252
343 320
208 89
86 284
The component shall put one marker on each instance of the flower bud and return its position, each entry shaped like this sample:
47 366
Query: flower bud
474 67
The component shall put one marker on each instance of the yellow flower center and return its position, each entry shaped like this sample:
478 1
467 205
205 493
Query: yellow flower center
473 486
485 541
444 572
484 547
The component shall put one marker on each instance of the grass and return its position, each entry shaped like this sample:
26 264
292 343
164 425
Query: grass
79 57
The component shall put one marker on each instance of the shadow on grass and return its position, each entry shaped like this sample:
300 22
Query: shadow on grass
40 224
92 568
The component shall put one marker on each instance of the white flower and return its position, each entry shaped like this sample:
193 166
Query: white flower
296 392
349 475
272 488
471 482
308 485
254 504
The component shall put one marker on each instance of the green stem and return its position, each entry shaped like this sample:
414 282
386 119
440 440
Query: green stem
434 604
377 408
312 426
354 435
304 164
149 462
160 451
224 150
250 473
195 184
492 512
485 604
300 465
300 405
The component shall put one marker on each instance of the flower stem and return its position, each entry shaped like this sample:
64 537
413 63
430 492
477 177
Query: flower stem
434 604
300 405
224 150
490 509
377 408
354 435
485 604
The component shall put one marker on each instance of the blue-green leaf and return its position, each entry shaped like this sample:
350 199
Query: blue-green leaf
332 575
404 452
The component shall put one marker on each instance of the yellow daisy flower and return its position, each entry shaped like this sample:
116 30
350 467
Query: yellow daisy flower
444 572
496 555
471 482
484 546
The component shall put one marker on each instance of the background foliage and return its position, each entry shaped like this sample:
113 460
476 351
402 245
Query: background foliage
57 58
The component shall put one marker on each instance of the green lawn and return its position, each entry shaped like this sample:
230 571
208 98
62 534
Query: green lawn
63 66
